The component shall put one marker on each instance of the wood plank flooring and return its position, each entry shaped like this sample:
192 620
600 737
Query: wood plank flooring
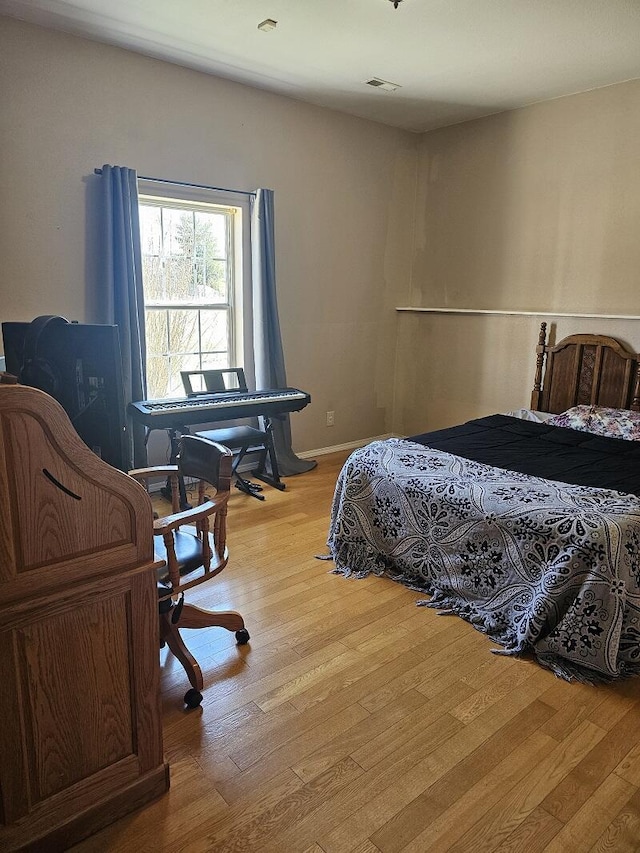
355 722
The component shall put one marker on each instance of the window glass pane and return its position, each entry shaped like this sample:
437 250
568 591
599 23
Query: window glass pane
187 261
153 276
210 251
150 230
151 244
176 363
211 228
156 332
213 278
177 231
179 280
157 377
215 360
190 362
183 331
178 240
215 330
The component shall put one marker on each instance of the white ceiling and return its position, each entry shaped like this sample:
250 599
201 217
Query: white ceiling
454 59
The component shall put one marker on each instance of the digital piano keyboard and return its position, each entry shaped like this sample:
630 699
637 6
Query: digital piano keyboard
224 406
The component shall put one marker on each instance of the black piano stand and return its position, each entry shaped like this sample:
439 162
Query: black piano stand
268 451
249 488
244 485
272 479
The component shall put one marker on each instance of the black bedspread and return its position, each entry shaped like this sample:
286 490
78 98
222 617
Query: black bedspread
555 453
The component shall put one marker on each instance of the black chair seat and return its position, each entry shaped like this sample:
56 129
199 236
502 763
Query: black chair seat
188 553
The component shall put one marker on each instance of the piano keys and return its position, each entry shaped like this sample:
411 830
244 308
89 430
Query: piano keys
224 406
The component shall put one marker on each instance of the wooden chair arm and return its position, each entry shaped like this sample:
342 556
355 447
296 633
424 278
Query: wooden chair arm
153 471
188 516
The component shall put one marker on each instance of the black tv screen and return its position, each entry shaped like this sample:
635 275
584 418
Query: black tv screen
80 365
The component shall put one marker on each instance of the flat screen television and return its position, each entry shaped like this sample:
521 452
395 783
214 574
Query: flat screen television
80 365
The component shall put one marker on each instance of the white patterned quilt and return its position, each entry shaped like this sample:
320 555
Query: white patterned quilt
539 566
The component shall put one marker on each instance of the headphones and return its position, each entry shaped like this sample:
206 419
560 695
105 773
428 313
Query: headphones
35 370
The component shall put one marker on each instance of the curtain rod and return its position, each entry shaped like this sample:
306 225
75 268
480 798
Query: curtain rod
186 184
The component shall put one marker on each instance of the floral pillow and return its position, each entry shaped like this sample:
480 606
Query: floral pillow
601 420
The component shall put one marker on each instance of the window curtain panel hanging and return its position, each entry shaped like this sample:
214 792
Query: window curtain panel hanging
267 340
122 263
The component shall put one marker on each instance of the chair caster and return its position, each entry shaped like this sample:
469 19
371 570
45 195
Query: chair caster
192 698
242 637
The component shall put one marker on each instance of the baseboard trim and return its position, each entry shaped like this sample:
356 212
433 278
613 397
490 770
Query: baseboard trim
350 445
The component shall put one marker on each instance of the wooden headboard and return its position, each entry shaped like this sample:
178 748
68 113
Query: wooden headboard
585 370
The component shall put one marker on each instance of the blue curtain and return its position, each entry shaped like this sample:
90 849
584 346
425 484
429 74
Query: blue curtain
122 266
267 340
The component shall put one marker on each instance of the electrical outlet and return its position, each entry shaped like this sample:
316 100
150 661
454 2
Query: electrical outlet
330 418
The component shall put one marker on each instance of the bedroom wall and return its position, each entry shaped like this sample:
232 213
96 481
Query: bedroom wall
344 189
534 210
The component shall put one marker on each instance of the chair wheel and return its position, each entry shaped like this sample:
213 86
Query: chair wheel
192 698
242 637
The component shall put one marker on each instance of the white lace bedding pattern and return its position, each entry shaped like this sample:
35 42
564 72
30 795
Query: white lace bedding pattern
539 566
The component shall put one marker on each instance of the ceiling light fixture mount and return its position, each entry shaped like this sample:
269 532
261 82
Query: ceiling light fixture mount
395 3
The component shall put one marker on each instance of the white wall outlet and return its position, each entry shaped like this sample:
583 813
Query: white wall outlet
330 418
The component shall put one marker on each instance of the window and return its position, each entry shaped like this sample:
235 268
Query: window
192 280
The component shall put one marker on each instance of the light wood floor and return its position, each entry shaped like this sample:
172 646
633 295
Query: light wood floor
355 721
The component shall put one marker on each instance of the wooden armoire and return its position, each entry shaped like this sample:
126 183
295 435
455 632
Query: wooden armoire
80 730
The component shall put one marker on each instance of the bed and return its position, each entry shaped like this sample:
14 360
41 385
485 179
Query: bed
529 529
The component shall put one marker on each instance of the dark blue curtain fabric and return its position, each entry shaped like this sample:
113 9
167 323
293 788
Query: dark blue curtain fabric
267 339
123 270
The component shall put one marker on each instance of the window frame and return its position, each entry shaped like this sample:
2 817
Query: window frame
238 303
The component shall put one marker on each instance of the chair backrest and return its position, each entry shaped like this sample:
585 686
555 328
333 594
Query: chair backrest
205 460
209 463
211 381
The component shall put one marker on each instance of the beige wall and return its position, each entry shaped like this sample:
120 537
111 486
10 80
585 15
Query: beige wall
536 209
455 367
342 187
532 210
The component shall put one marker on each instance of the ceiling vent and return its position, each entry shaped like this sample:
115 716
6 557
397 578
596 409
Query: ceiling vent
267 25
377 83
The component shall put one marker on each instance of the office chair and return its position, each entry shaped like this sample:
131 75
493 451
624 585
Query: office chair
193 556
240 439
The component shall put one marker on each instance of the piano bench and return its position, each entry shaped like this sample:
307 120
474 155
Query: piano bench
235 438
242 440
